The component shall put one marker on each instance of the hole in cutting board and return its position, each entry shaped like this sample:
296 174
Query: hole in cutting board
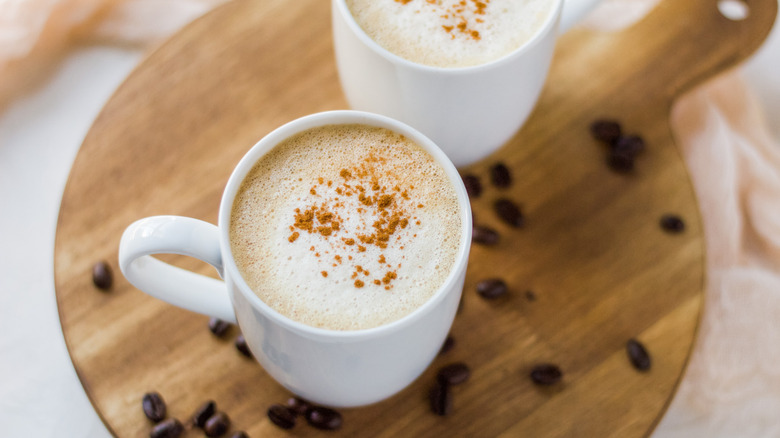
735 10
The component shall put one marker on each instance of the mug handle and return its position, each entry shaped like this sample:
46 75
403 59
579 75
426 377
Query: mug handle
177 286
573 12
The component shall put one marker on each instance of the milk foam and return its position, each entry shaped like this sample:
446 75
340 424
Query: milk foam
331 212
451 33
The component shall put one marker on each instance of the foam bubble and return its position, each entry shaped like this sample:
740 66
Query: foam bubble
331 212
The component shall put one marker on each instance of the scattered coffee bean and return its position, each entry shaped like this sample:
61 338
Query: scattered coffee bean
447 345
298 405
473 185
239 434
546 374
672 223
491 288
500 176
623 148
217 425
242 346
484 235
638 355
509 212
102 277
324 418
204 412
282 416
170 428
530 295
441 399
630 145
454 374
154 406
620 162
607 131
219 327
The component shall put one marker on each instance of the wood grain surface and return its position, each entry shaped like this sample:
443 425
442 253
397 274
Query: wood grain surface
592 252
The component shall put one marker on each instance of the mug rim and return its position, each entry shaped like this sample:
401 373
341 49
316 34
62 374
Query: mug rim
336 117
550 25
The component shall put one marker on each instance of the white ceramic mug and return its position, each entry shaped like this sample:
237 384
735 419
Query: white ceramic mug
469 112
335 368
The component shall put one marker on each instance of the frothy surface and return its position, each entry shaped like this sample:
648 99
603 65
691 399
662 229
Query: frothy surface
345 227
451 33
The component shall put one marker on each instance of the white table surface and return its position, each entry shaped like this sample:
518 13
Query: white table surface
40 134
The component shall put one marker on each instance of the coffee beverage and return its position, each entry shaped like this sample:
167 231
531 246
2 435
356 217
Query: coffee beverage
451 33
346 227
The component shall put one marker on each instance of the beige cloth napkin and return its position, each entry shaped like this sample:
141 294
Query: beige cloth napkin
36 34
732 386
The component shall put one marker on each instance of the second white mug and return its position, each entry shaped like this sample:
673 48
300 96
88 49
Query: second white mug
468 111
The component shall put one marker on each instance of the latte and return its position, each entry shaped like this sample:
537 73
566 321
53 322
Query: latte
451 33
346 227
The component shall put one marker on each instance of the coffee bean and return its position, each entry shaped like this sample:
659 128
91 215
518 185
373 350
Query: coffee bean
672 223
473 185
447 345
170 428
620 162
509 212
491 288
441 399
638 355
219 327
607 131
454 374
239 434
102 277
500 176
204 412
546 374
282 416
154 406
630 145
324 418
217 425
484 235
242 346
298 405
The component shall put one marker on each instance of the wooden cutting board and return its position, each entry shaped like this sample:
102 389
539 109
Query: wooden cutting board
600 268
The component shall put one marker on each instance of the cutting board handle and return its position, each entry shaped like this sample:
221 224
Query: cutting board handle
176 235
689 41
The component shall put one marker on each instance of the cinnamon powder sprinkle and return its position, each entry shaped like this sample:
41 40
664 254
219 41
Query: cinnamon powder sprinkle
457 16
375 200
389 276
